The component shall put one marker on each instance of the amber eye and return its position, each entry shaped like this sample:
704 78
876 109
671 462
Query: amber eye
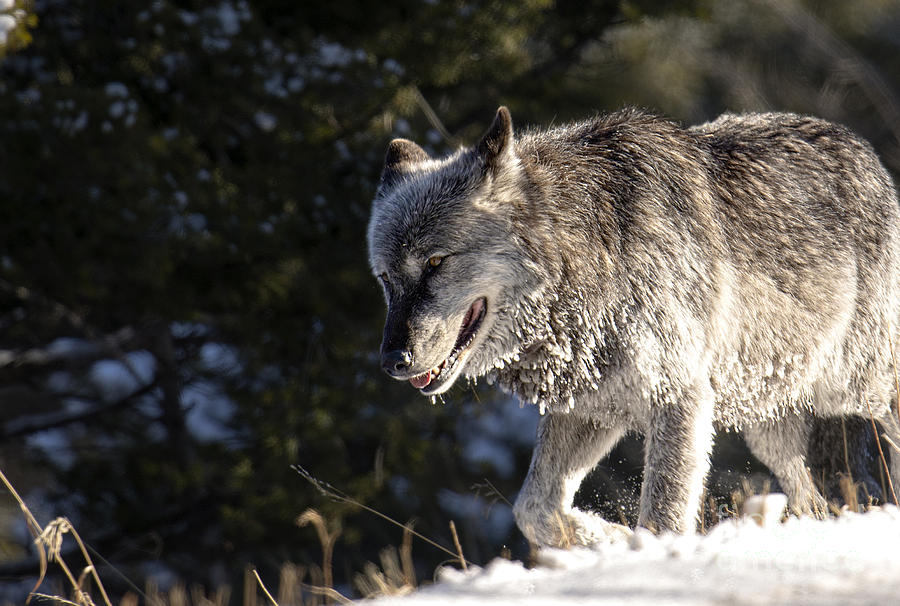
435 261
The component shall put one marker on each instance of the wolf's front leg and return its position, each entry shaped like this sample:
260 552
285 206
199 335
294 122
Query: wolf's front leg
567 448
677 446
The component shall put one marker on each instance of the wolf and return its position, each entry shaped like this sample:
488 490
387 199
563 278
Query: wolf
626 273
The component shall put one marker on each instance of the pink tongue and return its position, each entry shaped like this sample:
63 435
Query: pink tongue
421 381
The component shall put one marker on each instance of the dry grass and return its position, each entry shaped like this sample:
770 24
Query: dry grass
326 539
396 575
292 590
884 466
298 585
336 495
48 542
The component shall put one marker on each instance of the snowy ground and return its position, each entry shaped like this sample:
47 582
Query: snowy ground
852 559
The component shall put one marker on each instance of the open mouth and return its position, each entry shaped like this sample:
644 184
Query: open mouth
434 379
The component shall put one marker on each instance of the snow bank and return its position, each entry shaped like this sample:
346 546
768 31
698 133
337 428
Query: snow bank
852 559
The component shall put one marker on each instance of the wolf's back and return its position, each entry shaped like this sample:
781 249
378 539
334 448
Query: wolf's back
769 239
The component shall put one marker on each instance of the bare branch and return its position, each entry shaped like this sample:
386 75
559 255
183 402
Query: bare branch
30 425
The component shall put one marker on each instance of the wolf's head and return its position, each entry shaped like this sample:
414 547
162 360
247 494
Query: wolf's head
442 245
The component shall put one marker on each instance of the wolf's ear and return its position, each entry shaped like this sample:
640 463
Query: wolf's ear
401 154
496 144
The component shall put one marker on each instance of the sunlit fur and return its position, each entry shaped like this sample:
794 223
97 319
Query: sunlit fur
639 275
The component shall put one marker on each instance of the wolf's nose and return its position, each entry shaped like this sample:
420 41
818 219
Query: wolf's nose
396 362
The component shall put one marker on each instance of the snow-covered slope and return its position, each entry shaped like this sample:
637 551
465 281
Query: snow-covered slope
852 559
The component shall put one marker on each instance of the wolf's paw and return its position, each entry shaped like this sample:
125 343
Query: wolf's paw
568 528
809 503
586 528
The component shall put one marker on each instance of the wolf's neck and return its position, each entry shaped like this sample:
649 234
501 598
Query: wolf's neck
569 345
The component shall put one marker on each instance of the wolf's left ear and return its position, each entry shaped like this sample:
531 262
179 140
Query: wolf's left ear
496 144
401 154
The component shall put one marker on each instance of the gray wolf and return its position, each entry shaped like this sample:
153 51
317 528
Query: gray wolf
627 273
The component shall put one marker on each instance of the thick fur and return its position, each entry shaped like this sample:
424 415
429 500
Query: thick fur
638 275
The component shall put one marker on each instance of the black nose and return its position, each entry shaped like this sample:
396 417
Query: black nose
396 362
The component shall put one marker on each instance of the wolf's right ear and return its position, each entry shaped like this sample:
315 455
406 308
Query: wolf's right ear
401 154
496 144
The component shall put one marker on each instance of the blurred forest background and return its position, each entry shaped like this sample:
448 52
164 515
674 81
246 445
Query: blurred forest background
185 305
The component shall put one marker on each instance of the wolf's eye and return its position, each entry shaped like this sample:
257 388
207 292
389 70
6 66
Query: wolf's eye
384 279
435 261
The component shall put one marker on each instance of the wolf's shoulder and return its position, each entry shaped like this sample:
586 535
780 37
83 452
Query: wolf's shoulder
624 132
603 126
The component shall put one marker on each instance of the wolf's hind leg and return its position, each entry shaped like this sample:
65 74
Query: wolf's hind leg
781 446
567 448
